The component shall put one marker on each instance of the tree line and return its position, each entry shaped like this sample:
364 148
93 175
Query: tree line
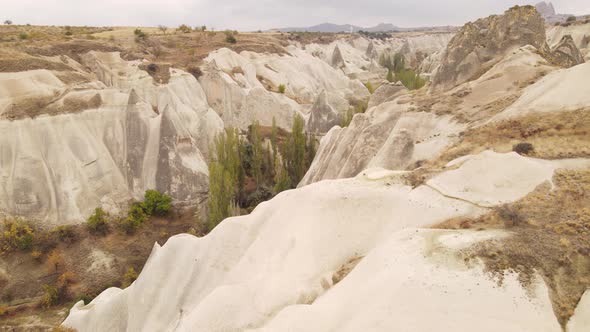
245 170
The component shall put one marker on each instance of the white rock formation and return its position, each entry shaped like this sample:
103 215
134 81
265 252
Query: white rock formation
243 87
561 90
387 136
273 269
57 169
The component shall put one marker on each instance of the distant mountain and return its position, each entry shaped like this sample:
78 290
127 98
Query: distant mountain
334 28
548 12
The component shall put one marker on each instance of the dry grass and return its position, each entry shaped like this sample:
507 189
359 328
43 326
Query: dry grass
551 236
555 135
32 107
22 287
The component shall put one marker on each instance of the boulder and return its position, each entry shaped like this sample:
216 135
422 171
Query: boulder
566 53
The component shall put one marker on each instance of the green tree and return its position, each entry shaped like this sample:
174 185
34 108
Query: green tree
295 151
98 222
389 75
225 177
156 203
257 152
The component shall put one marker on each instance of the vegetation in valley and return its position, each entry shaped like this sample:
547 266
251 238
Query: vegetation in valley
398 72
251 168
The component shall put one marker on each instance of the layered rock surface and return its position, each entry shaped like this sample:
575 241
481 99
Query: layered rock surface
276 268
140 135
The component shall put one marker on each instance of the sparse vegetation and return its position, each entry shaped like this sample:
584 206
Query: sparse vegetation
136 216
571 19
370 87
163 28
66 234
282 88
397 71
140 35
523 148
23 36
156 203
195 71
229 37
129 277
17 234
184 28
98 222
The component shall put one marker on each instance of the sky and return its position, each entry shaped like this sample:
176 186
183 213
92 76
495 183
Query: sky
251 15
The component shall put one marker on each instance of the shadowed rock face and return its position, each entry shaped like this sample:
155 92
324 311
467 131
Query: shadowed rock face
337 59
566 53
480 44
322 116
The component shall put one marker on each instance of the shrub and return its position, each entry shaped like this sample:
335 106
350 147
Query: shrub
511 215
156 203
163 28
571 19
98 222
282 88
23 35
229 37
16 235
37 255
410 79
139 35
152 67
184 28
55 260
65 234
68 33
195 71
370 87
523 148
135 218
50 296
8 22
129 277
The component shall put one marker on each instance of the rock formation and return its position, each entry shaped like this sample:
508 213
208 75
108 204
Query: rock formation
480 44
337 59
247 275
566 53
141 136
322 116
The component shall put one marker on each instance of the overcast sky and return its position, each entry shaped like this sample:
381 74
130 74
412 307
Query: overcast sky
261 14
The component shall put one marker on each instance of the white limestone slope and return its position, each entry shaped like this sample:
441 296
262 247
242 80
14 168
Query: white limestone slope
272 270
57 169
388 136
243 87
561 90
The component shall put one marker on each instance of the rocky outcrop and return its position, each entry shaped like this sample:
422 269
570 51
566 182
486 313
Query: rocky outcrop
546 9
549 14
57 169
480 44
386 136
247 274
386 92
337 59
371 52
566 53
322 116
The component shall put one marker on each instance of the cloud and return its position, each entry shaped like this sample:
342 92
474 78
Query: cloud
261 14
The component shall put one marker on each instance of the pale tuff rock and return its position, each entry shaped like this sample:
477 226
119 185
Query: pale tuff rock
485 41
386 136
565 53
147 137
546 9
371 52
386 92
337 60
247 274
561 90
322 116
